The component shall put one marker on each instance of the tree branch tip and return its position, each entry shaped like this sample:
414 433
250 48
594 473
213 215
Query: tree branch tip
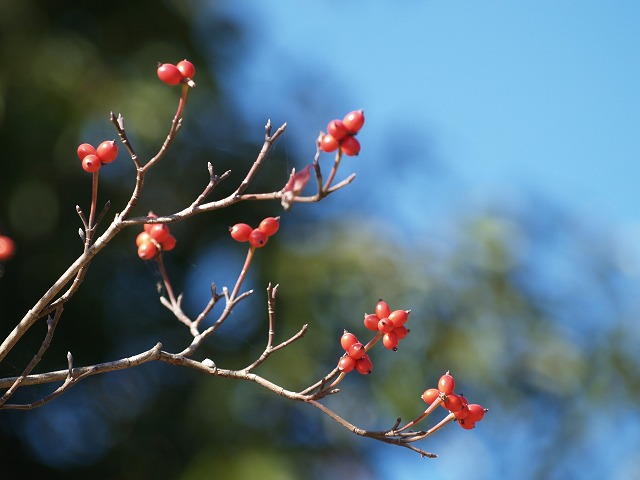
69 364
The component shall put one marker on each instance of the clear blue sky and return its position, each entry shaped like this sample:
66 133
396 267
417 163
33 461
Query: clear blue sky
486 101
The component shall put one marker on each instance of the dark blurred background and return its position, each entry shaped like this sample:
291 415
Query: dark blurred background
525 302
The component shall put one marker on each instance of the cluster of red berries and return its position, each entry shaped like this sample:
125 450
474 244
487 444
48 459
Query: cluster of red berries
93 158
466 414
355 356
172 74
257 237
341 134
155 238
7 248
391 324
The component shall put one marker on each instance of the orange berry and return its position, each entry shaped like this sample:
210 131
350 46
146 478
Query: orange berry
147 250
269 226
446 384
7 248
85 149
168 243
240 232
91 163
382 309
107 151
258 238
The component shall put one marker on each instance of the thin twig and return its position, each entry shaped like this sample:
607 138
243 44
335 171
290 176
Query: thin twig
51 326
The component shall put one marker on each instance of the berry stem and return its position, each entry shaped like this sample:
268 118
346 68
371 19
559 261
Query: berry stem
424 415
373 341
183 101
448 419
243 273
92 211
165 279
175 125
336 381
333 172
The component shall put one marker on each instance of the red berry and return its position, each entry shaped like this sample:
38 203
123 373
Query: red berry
399 317
169 74
385 326
446 384
356 351
240 232
142 237
147 250
7 248
337 129
430 395
462 413
346 364
257 238
91 163
467 424
168 243
270 225
186 68
382 309
390 340
452 402
476 412
85 149
364 365
354 121
350 146
329 143
159 232
107 151
347 340
401 332
371 321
